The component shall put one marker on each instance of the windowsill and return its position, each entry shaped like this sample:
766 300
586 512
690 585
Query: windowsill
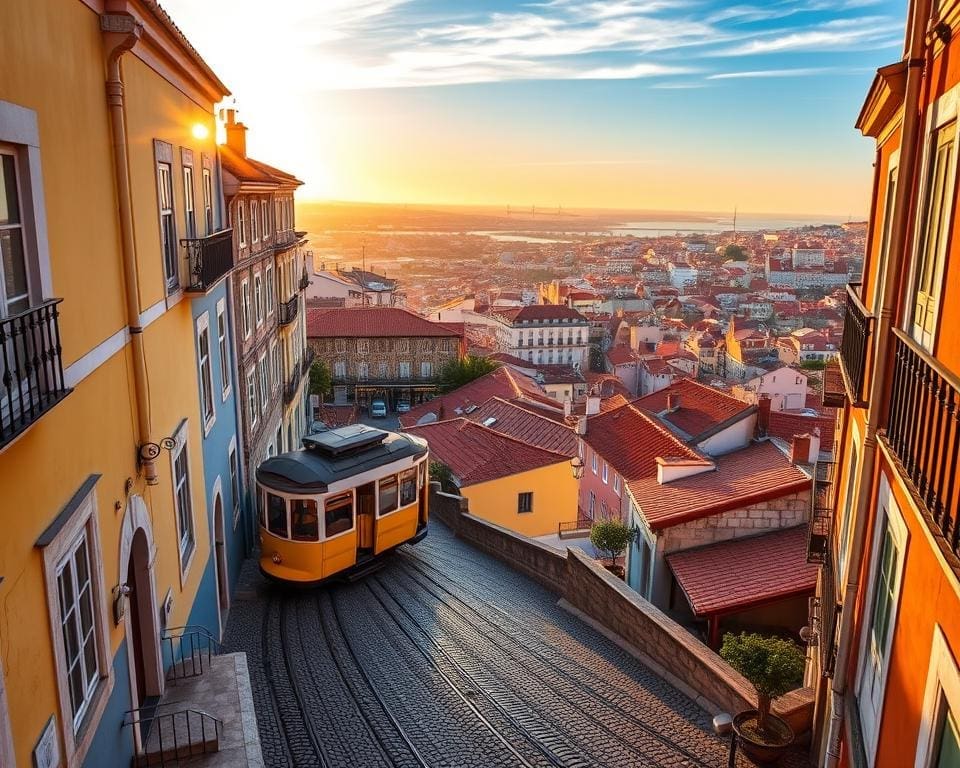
173 297
225 394
185 566
208 425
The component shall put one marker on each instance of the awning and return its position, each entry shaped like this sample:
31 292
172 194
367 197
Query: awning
742 573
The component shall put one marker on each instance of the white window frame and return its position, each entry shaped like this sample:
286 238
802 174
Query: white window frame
606 473
189 203
264 218
275 373
340 369
263 378
258 299
403 369
20 226
253 412
616 483
84 521
242 223
888 515
235 484
270 289
205 369
207 184
593 462
166 208
186 545
254 222
245 308
426 369
941 695
223 348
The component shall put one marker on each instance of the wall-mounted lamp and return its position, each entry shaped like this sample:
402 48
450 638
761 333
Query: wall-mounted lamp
120 593
576 464
200 131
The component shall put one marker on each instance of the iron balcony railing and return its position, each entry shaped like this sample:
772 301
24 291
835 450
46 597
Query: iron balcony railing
284 238
288 310
290 391
31 368
188 650
209 258
308 358
923 432
821 514
304 281
168 738
854 346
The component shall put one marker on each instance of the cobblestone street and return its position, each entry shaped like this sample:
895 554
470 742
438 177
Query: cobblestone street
446 657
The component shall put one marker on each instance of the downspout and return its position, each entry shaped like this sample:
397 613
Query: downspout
121 33
896 262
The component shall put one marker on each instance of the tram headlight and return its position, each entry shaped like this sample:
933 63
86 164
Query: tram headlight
276 558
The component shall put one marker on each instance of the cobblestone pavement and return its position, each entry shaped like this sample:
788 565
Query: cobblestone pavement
445 657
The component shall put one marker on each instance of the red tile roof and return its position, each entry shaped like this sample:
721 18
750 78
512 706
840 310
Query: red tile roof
631 440
742 573
525 425
786 425
701 407
756 473
622 355
538 312
372 322
476 454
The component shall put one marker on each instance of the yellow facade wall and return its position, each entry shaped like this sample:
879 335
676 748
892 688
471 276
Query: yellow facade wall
554 499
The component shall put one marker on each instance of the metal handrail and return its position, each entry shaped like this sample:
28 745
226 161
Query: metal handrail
203 646
173 753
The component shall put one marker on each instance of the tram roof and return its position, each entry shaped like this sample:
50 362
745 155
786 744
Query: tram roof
336 455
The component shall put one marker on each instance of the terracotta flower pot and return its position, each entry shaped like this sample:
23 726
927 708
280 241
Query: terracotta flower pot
763 749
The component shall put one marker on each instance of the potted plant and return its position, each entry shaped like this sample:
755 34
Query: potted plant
611 538
774 666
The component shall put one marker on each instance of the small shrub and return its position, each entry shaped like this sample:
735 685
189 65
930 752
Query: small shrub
611 538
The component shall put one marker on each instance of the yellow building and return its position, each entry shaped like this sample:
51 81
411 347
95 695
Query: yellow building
523 487
108 161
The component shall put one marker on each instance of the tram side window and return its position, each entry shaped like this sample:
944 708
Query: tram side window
262 504
388 494
338 514
408 487
304 521
277 515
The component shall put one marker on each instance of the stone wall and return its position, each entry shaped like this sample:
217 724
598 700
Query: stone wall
616 610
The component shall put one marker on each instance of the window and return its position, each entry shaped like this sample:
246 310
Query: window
275 361
616 483
387 495
189 214
382 370
408 487
264 379
252 397
850 506
426 370
938 745
404 369
13 274
168 229
254 222
242 223
593 505
363 371
304 520
78 627
403 346
206 372
270 290
258 298
264 219
245 307
276 515
338 515
340 369
222 346
181 492
606 472
234 483
207 181
524 502
933 236
363 346
593 462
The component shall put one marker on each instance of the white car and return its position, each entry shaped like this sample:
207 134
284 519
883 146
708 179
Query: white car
378 409
403 406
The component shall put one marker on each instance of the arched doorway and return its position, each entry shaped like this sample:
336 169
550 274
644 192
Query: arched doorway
220 549
141 627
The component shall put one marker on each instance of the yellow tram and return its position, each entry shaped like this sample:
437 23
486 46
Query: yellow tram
347 497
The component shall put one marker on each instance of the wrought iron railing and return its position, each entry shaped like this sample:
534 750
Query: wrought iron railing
855 345
288 310
284 238
304 281
923 432
821 514
31 367
290 391
308 358
209 258
169 737
188 650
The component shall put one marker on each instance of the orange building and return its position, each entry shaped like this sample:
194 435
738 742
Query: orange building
887 619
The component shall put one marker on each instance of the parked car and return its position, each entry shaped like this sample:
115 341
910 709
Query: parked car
378 409
403 406
809 412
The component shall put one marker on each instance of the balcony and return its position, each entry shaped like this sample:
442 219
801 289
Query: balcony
290 390
834 392
304 281
857 332
308 358
31 368
923 433
209 258
821 514
288 310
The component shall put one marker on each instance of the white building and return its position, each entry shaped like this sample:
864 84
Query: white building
682 275
545 334
786 388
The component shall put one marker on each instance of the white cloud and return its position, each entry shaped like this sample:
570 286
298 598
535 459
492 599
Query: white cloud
797 72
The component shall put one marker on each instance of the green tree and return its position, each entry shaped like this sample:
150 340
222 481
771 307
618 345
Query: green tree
320 379
441 473
455 373
773 665
734 252
610 538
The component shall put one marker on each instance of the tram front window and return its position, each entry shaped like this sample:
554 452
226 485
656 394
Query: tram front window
408 487
388 494
277 515
338 515
304 522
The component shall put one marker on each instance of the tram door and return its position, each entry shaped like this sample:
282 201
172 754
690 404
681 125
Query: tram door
366 509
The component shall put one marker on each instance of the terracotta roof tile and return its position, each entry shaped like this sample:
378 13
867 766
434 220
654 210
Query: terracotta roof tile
476 454
536 312
741 573
525 425
786 425
756 473
622 355
372 322
701 407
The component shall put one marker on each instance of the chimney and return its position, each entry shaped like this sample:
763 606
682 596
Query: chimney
567 407
593 404
236 131
582 425
763 416
800 449
673 401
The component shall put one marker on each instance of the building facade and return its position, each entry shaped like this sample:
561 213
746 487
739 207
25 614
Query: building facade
887 619
544 334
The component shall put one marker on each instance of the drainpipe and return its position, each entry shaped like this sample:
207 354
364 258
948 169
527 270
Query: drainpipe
910 143
121 32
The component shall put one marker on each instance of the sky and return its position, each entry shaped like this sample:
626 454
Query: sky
694 105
